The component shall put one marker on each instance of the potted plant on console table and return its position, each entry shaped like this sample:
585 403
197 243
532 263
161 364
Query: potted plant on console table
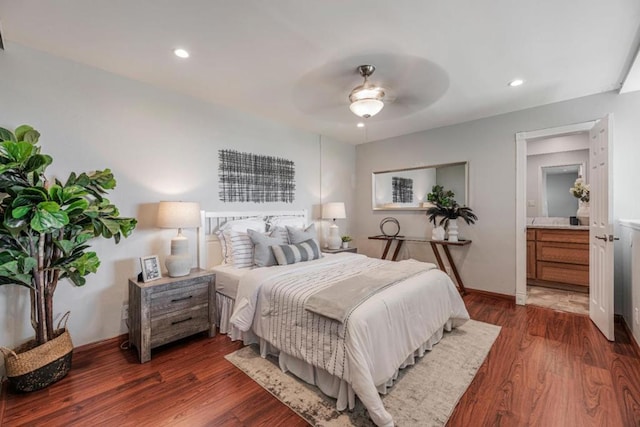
44 230
449 215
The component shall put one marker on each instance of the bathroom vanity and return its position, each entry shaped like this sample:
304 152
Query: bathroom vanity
558 254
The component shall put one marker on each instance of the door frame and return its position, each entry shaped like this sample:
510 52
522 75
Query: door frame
521 196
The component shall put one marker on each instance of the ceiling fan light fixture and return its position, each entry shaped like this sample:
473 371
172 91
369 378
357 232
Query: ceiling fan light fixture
366 99
366 108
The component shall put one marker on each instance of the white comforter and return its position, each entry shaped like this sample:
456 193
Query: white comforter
379 336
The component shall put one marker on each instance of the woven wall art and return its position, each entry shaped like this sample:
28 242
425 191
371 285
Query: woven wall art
246 177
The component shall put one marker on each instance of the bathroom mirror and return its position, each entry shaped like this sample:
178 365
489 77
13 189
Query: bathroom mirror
555 182
407 189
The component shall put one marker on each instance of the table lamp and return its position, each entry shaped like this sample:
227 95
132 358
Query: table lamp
334 210
179 215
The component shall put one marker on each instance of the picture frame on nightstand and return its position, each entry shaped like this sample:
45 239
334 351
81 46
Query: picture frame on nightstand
150 268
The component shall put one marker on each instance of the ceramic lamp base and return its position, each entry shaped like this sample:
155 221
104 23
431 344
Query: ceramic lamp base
179 262
334 241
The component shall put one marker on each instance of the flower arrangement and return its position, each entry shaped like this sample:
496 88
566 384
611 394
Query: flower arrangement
580 190
346 238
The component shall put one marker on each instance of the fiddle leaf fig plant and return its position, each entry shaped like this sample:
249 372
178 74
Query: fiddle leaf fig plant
45 226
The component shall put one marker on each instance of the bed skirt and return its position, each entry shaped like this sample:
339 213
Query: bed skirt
329 384
340 389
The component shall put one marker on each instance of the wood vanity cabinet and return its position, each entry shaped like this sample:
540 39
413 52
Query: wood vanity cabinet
531 254
561 255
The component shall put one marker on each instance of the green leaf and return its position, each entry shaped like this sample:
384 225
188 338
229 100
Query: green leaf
50 207
30 196
87 263
21 131
6 135
77 207
75 277
27 264
66 246
37 162
31 136
18 151
44 221
20 211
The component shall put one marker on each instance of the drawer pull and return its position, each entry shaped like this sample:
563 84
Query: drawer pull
182 299
181 321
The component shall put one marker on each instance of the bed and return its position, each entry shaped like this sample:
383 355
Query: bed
359 354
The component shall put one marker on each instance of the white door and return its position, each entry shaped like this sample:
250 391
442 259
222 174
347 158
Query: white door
601 228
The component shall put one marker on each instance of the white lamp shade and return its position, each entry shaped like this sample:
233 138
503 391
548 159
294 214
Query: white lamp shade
333 210
367 107
178 215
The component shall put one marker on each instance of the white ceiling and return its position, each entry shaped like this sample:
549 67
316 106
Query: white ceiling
294 61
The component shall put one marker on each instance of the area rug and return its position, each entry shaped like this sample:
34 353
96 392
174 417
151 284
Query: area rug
424 394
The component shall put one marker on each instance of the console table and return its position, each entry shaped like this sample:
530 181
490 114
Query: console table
434 246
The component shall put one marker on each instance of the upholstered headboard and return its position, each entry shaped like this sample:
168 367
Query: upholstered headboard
209 249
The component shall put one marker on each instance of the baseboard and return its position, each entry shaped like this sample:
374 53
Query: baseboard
620 319
109 341
511 298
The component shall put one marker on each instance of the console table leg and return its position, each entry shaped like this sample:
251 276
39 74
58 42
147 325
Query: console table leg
386 249
463 291
397 251
434 247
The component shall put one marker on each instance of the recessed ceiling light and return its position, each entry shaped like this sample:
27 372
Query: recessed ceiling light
360 125
516 82
181 53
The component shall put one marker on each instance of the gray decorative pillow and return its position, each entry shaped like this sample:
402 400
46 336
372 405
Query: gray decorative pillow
262 253
299 252
297 235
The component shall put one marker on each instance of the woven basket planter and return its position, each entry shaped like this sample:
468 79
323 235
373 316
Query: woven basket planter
30 367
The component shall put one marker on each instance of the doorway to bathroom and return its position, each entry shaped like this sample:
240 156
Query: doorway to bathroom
577 249
557 242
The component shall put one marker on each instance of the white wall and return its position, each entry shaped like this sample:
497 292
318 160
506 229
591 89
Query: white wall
160 146
489 146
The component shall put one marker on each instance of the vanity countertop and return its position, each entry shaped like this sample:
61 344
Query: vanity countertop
559 226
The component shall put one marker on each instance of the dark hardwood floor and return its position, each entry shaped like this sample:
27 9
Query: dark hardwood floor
546 369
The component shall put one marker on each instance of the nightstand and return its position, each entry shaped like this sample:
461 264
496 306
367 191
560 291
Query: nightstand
167 309
337 251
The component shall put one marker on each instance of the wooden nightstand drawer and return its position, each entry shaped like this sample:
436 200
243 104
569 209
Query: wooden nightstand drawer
180 298
179 324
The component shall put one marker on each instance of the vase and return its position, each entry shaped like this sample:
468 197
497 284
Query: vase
453 230
437 233
583 213
345 245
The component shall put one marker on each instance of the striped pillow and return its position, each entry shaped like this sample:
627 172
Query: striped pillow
241 249
299 252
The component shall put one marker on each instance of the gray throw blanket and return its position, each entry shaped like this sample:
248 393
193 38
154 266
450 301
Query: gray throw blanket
339 300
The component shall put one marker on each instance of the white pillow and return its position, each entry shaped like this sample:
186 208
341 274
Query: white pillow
243 225
286 220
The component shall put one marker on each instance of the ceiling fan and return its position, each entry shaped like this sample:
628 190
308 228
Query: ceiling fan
402 85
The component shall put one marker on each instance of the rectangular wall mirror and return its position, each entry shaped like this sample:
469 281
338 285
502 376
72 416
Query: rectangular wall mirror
407 189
